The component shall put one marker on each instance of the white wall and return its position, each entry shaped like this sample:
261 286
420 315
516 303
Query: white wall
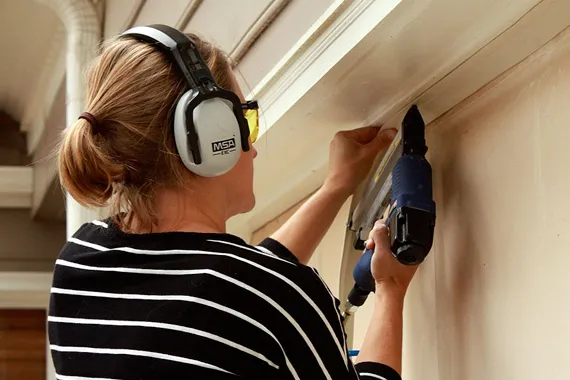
492 300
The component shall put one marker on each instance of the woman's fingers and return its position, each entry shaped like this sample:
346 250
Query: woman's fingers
380 236
379 233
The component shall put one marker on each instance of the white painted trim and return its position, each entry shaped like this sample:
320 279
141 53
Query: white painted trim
332 36
301 46
16 186
517 42
304 44
265 19
286 95
135 12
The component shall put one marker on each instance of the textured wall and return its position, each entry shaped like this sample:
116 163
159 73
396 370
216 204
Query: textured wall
492 300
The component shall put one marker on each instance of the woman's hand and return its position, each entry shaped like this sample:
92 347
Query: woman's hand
383 339
352 154
390 275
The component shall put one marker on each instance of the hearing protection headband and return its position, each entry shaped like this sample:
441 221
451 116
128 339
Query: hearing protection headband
188 59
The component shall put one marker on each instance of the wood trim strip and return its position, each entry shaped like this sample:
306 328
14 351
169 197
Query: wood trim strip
188 13
265 19
134 14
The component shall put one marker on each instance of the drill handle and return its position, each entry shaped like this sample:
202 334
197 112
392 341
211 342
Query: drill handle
364 283
362 272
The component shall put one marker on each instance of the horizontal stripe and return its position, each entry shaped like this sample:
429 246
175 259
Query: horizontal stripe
166 326
373 375
263 249
148 354
100 223
265 252
212 273
62 377
317 310
171 272
172 251
182 298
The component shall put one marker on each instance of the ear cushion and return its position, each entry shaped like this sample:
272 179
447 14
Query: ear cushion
219 138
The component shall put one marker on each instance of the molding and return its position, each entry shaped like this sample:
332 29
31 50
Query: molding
265 19
343 25
527 34
303 53
327 87
16 186
293 76
188 13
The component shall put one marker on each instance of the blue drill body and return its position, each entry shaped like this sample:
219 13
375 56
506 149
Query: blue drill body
411 220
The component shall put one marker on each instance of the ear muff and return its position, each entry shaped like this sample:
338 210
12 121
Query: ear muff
207 135
210 129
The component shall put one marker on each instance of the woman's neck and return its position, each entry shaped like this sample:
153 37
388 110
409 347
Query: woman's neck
183 210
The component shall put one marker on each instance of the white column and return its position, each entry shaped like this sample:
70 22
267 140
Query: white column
83 34
76 215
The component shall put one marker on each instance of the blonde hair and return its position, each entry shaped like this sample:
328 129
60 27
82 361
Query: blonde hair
132 90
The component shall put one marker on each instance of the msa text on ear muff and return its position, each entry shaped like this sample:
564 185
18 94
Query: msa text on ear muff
210 129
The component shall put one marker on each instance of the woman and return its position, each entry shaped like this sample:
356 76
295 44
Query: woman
160 290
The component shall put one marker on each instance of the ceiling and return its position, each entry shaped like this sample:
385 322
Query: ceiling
266 28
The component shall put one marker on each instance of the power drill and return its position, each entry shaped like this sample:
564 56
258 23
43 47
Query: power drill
411 218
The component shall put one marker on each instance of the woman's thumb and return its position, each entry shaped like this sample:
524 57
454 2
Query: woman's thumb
380 236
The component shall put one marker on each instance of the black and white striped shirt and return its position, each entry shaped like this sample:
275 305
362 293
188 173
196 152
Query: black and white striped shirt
184 305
